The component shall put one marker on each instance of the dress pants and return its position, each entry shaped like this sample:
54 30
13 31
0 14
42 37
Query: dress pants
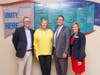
45 64
61 65
25 64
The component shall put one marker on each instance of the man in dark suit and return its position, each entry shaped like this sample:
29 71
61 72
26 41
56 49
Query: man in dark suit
61 46
23 43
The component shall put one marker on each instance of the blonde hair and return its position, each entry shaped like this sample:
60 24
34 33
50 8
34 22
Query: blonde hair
42 21
75 23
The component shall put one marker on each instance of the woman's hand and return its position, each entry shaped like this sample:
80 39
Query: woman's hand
35 51
79 63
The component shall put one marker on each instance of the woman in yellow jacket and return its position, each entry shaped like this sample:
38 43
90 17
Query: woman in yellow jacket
43 38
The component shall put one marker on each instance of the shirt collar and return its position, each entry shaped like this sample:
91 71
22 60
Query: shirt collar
60 27
26 28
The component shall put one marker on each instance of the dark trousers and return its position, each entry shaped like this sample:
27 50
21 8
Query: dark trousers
61 65
45 64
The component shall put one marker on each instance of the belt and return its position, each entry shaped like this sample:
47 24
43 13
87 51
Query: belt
28 50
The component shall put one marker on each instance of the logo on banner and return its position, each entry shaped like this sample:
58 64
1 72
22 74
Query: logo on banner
11 19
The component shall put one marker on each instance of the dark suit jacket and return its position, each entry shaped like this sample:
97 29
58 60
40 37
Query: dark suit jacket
20 41
62 43
78 47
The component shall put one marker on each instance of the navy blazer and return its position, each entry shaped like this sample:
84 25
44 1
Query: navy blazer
78 47
20 41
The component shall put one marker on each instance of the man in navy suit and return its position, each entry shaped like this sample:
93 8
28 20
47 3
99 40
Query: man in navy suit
22 40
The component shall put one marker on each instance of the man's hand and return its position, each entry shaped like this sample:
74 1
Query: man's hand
64 55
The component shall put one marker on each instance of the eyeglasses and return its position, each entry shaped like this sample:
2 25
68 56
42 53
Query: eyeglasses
27 21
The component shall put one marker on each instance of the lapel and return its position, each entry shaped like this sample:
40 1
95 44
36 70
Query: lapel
23 29
77 37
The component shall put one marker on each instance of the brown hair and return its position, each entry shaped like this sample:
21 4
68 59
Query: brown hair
75 23
60 16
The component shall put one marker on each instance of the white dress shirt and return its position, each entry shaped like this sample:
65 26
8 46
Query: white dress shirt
57 32
28 36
